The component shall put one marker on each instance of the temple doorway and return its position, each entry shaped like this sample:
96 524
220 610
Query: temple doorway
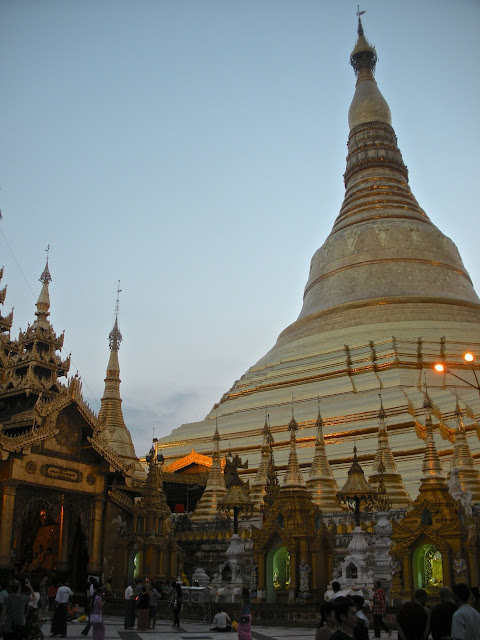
427 567
78 559
277 572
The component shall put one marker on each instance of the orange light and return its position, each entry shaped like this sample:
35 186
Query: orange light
439 367
468 357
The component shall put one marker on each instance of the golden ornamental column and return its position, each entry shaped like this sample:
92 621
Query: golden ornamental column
95 562
6 526
62 564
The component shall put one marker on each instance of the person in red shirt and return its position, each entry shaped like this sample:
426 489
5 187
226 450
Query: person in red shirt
379 609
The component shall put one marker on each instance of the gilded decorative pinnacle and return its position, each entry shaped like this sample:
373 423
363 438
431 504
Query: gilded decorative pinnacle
46 277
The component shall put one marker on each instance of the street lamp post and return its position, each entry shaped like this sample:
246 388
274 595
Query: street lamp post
468 357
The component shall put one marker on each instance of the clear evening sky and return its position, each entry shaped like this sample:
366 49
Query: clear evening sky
194 149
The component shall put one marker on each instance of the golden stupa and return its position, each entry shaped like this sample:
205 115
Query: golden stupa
387 296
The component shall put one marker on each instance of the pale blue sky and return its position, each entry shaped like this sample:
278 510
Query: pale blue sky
194 149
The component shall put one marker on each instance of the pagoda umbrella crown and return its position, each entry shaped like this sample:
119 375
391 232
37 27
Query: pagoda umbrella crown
356 485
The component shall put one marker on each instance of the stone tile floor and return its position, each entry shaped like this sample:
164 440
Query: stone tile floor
191 630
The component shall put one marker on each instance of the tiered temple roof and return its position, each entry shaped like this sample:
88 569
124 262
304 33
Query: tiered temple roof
34 365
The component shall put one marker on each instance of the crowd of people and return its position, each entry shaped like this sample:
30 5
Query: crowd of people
24 607
455 617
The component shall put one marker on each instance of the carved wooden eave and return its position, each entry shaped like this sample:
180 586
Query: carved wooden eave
16 443
121 499
113 460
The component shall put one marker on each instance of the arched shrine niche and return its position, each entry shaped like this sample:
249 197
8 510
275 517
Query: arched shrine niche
427 567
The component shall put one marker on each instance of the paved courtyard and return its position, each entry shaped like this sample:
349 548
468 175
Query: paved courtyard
191 630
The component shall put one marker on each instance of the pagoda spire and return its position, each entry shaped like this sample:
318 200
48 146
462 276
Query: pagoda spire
432 473
293 478
321 483
397 494
360 260
43 302
259 484
215 489
115 432
463 461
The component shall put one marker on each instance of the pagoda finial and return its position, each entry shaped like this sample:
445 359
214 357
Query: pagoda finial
43 302
360 26
293 475
363 55
46 277
115 336
381 413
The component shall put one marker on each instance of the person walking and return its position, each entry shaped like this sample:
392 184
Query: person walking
129 619
33 630
346 614
143 610
379 609
15 605
43 590
413 618
96 616
52 592
328 621
466 620
442 614
91 590
154 596
245 619
59 618
177 601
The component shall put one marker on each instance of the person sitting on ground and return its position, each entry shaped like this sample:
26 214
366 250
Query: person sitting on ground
221 621
346 615
328 621
466 620
442 614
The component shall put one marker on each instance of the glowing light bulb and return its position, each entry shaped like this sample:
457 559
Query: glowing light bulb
439 367
468 357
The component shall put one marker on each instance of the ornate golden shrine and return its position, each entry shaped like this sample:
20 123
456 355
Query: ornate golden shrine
292 523
436 543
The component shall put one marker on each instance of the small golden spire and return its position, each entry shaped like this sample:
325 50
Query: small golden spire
43 302
215 489
259 484
463 461
321 483
115 337
293 476
384 458
432 473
